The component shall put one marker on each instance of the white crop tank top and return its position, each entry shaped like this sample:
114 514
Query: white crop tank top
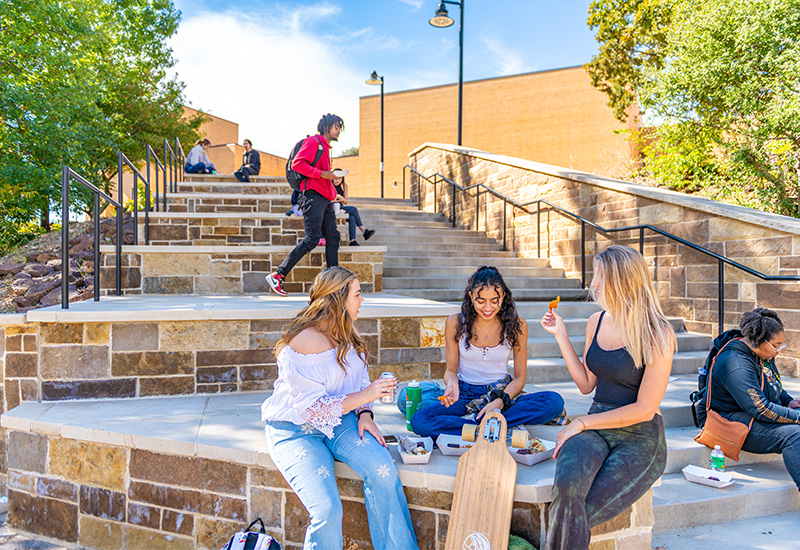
481 366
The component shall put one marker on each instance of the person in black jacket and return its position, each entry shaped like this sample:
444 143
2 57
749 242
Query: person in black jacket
251 163
736 392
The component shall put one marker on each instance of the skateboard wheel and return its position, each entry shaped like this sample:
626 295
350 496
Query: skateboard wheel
520 439
469 432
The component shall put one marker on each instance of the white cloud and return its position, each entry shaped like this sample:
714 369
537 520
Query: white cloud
507 61
416 4
271 74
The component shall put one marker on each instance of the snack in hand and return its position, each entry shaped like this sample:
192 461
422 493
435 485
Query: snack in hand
441 398
554 303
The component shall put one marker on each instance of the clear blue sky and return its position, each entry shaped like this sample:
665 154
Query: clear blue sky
275 67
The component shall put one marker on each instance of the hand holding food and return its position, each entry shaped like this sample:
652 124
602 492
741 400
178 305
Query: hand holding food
554 304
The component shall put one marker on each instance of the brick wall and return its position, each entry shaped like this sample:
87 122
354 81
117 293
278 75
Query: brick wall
686 280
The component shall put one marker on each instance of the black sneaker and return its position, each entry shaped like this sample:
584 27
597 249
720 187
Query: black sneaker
354 243
368 233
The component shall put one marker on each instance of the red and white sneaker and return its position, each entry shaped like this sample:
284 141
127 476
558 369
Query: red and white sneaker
275 282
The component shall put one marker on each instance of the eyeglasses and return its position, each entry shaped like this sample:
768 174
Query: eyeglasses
778 349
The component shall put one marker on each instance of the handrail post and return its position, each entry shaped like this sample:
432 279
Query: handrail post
538 228
96 247
453 204
435 199
721 296
65 238
583 254
135 206
147 212
120 213
504 224
641 241
478 210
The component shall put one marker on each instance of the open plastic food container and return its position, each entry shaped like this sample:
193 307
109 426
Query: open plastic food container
534 458
704 476
418 459
453 445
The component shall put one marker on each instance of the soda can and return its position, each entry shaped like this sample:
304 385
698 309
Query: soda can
387 397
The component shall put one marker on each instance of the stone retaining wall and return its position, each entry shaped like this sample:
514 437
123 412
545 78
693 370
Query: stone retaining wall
57 361
207 270
223 185
99 495
275 204
686 279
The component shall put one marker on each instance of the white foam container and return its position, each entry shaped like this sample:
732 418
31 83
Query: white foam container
444 439
418 459
696 474
535 458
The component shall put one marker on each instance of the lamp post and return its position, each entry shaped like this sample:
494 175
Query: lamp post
375 80
442 20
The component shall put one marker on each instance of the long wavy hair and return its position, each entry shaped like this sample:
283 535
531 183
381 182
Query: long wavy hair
510 325
327 311
623 287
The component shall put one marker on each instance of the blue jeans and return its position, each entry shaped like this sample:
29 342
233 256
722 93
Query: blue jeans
199 168
305 456
354 220
530 408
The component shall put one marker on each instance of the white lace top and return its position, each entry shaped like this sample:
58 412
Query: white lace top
481 366
310 388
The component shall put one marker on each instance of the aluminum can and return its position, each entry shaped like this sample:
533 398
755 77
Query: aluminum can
388 397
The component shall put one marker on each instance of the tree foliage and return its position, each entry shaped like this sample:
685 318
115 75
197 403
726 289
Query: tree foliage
81 80
724 90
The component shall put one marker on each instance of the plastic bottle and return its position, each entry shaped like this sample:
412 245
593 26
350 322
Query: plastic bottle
717 460
413 401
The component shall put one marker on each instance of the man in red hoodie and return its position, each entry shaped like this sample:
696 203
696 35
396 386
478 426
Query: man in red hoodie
316 201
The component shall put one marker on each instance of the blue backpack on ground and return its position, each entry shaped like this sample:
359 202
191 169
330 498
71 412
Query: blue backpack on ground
252 540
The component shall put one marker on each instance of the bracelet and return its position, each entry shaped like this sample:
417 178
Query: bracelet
362 411
582 424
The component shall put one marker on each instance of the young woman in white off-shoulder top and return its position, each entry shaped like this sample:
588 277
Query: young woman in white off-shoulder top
320 411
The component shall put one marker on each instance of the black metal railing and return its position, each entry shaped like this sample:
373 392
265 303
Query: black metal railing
67 176
437 179
158 168
122 162
174 159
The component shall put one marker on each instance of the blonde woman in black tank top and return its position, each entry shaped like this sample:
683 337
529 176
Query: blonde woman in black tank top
607 459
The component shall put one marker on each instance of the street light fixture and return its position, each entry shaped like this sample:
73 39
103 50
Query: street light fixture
375 80
443 20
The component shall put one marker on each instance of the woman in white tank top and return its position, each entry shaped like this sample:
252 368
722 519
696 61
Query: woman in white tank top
479 342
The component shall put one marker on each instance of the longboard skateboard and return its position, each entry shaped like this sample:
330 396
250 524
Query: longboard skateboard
480 518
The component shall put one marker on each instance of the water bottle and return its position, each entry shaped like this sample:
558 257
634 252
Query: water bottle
413 401
717 460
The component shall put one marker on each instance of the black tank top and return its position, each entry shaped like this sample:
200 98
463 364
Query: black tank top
618 379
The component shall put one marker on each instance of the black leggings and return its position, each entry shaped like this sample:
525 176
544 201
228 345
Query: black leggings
600 473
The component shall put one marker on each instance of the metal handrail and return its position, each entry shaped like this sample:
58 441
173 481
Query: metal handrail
68 175
721 260
150 153
123 161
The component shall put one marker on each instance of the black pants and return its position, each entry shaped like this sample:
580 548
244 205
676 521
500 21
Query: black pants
600 473
243 174
319 221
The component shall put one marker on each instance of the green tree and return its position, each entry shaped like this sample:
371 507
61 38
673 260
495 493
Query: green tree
79 81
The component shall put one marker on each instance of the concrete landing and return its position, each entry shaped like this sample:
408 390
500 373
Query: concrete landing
777 532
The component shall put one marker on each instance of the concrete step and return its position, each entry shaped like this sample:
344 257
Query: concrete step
230 178
485 257
760 489
414 233
534 311
389 238
450 283
442 245
469 263
397 205
441 295
547 347
576 326
769 532
463 272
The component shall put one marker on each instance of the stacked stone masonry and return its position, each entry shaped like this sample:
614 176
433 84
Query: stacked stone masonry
105 496
686 279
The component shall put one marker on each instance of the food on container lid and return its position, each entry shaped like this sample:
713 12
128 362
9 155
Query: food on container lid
536 445
554 303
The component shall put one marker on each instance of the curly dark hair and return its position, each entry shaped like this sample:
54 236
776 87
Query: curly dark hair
510 324
328 121
760 325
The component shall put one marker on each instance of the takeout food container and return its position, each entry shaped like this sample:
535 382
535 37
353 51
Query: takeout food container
463 446
417 459
534 458
704 476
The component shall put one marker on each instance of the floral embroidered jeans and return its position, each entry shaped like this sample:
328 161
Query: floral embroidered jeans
305 457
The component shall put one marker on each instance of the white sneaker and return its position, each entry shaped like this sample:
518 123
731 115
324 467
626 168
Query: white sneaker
296 211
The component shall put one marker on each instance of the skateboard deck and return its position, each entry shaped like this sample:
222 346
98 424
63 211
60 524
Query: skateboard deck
480 518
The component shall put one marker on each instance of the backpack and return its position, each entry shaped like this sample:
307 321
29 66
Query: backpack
702 373
294 178
251 540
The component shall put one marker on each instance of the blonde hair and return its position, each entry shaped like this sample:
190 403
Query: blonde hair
623 287
327 311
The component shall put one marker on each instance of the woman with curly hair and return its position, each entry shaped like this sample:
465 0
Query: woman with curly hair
320 411
479 342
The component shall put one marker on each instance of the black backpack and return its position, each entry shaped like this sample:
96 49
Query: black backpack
294 178
702 373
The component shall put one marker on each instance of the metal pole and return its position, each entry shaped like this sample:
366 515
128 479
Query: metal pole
538 229
721 297
404 192
583 254
478 210
453 204
65 238
96 247
504 225
460 69
641 241
120 213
